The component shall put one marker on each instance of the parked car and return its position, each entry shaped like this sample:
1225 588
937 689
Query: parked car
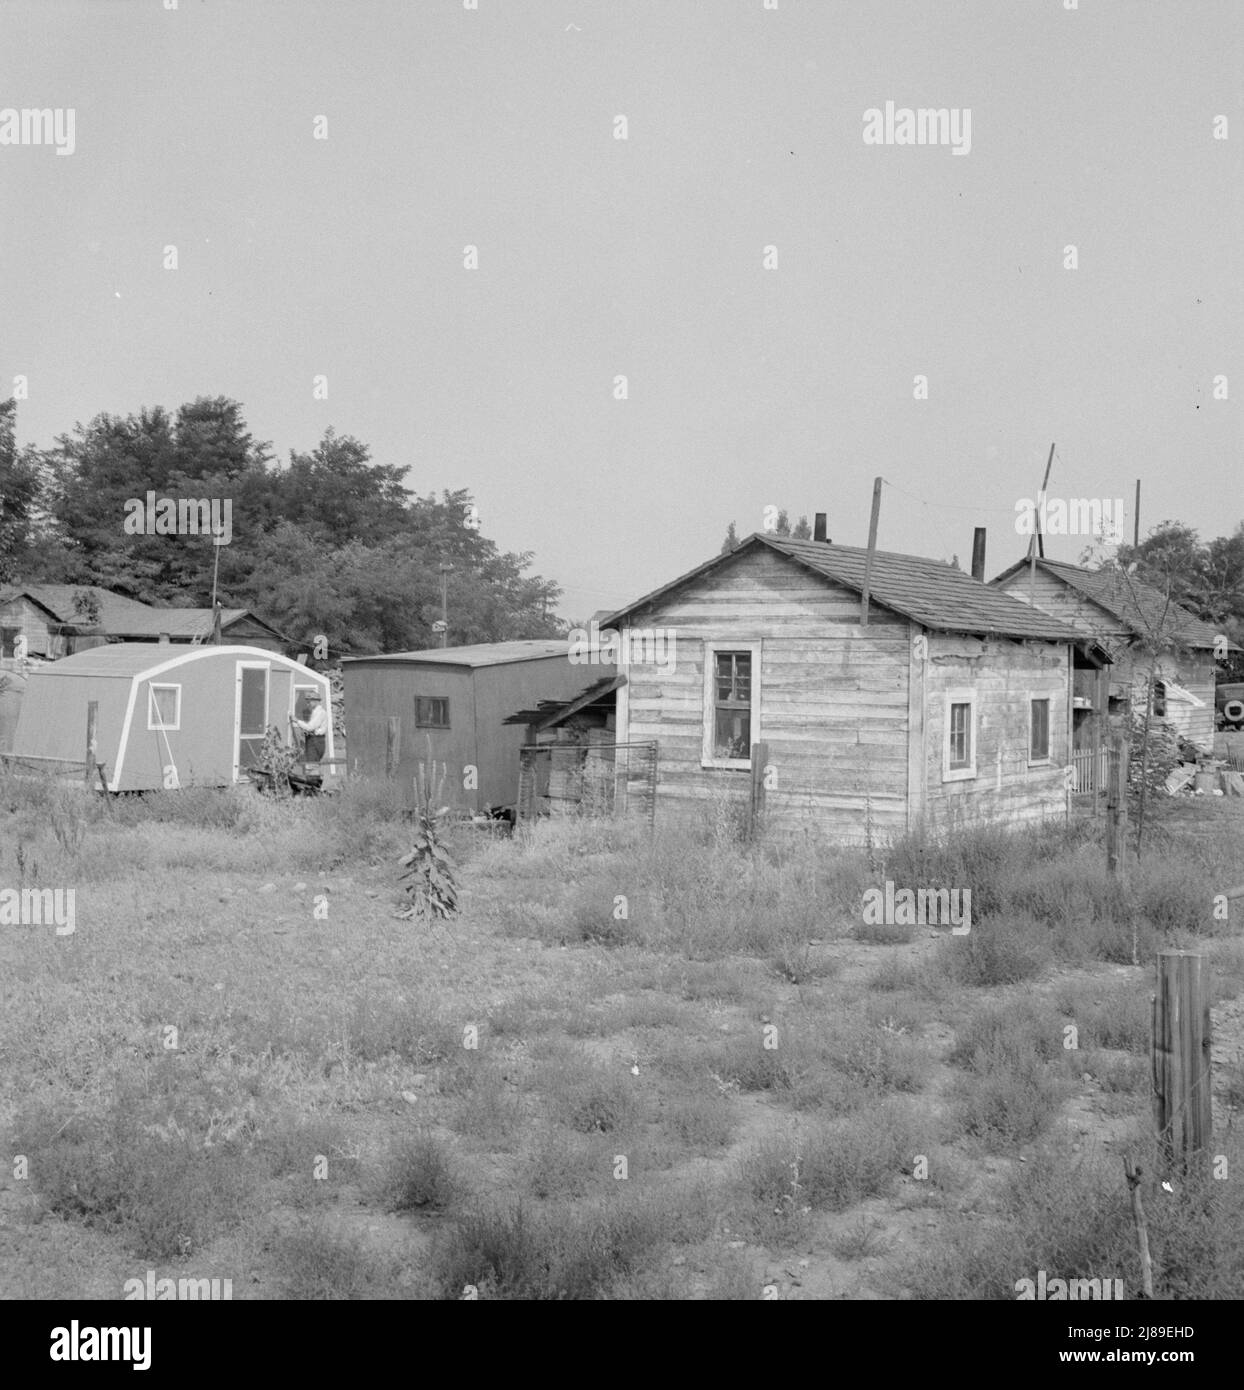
1229 700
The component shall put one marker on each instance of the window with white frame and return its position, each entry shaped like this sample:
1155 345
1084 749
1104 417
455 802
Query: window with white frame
731 703
959 742
1039 729
164 707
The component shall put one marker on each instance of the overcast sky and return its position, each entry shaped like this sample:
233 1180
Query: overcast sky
643 257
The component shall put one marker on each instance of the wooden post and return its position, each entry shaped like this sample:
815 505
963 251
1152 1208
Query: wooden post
1182 1105
756 798
872 546
1133 1174
1101 708
392 746
92 743
1116 805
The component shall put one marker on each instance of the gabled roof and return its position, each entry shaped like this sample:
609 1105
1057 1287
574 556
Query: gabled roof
126 617
478 654
935 595
57 599
1138 607
182 622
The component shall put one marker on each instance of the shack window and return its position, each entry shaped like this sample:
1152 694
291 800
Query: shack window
432 711
959 747
8 640
1039 731
1159 699
164 707
731 723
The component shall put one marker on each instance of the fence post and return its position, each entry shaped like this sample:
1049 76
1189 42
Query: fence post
92 744
1116 805
756 796
1182 1098
392 746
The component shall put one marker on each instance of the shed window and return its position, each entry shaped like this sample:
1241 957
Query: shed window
959 748
8 640
164 707
1159 699
731 703
1039 731
431 711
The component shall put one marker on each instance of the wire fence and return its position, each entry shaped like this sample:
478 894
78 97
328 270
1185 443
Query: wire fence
587 779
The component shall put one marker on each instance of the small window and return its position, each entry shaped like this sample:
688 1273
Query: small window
959 747
432 711
1159 699
8 640
1039 731
731 698
164 707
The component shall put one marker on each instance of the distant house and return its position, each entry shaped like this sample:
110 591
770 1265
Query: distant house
168 716
1125 615
455 700
54 623
951 704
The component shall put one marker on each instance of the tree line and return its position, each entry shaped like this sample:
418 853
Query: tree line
330 543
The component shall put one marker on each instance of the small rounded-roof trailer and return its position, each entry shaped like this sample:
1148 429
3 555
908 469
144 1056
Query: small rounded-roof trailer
166 717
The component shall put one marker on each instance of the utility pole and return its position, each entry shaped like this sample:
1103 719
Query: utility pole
445 568
872 547
1036 540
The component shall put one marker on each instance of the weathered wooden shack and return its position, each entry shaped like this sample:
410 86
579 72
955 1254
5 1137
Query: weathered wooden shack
945 701
456 700
1134 623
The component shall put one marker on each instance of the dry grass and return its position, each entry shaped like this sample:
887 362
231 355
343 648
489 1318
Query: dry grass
625 1054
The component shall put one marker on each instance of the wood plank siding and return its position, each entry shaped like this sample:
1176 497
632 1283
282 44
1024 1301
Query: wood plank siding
833 697
854 717
1004 677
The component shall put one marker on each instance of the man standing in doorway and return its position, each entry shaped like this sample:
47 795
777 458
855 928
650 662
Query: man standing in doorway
315 726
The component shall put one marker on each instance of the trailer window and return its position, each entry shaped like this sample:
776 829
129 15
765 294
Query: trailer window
432 711
164 707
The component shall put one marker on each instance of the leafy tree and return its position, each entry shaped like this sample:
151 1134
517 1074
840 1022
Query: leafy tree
731 541
21 489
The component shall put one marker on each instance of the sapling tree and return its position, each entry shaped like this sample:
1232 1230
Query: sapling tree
428 871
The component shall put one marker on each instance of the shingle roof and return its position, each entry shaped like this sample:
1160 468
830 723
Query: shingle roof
478 654
58 600
1138 606
126 617
935 595
177 622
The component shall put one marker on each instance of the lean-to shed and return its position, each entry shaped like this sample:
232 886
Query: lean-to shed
168 716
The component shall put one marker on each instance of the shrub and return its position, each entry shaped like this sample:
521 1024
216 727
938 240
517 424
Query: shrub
417 1175
997 951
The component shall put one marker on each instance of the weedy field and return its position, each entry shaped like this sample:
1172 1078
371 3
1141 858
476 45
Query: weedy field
668 1067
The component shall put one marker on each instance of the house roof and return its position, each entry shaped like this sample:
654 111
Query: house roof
935 595
479 654
126 617
1138 607
181 622
125 660
57 599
